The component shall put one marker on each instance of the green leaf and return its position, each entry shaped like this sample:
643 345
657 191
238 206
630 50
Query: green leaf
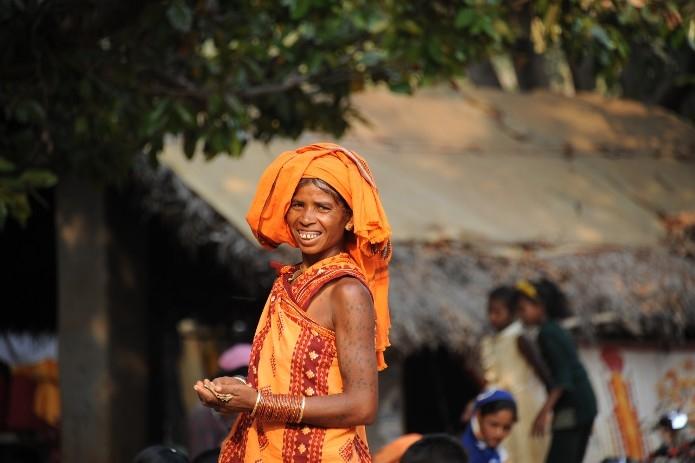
299 8
600 34
465 18
183 113
5 165
19 208
400 87
38 178
3 213
180 16
29 111
411 26
156 118
434 50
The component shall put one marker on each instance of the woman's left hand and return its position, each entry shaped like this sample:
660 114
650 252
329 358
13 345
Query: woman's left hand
243 397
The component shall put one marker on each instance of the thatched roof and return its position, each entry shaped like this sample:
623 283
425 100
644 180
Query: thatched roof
198 225
596 194
438 291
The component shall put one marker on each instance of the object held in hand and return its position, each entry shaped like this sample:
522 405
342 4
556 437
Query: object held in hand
222 397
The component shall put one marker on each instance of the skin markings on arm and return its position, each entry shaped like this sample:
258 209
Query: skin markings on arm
355 320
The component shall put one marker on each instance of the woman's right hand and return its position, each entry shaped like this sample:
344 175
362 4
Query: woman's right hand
540 424
243 396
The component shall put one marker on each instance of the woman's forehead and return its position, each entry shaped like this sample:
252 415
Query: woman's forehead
309 190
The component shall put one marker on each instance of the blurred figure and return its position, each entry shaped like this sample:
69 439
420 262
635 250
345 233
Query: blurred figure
511 362
494 416
676 446
439 448
394 450
160 454
207 428
571 399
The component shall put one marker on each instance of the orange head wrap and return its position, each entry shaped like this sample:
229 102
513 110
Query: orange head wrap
349 175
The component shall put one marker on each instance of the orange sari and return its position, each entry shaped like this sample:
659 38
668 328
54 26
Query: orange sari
292 354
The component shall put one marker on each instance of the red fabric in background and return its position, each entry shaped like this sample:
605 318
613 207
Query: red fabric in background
20 415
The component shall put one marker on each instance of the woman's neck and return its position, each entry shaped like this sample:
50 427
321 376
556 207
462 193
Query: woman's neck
310 259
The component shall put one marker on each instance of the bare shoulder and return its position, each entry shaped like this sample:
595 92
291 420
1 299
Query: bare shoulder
351 304
350 292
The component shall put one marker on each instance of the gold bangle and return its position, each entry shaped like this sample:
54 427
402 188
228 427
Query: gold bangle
258 400
240 378
301 410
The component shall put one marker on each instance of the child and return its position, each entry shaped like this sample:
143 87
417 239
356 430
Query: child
495 414
511 362
571 398
440 448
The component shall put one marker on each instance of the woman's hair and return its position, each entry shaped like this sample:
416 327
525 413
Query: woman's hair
497 406
160 454
440 448
549 295
504 294
325 187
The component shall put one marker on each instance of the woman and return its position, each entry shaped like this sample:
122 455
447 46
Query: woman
571 399
312 383
495 415
511 361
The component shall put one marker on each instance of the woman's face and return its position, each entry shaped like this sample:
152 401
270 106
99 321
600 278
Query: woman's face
317 221
495 427
530 312
499 314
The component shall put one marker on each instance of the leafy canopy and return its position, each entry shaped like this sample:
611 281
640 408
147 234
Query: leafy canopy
85 86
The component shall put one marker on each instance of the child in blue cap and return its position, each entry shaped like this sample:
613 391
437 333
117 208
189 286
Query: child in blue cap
494 416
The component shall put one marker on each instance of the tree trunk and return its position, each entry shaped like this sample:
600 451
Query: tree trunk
101 311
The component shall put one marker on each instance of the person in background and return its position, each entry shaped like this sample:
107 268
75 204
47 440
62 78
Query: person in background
571 400
677 444
394 450
160 454
439 448
494 416
207 428
511 361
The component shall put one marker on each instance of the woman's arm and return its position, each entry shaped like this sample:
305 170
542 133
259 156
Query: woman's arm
556 356
354 322
530 353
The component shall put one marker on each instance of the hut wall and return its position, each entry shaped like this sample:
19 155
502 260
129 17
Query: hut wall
634 387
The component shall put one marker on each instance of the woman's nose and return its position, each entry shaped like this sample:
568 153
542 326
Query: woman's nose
308 217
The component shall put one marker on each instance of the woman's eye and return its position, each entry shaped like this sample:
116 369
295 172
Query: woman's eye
324 208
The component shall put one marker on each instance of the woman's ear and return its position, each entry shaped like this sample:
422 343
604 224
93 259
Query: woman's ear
349 225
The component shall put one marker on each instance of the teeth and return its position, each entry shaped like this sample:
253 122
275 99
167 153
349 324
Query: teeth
308 235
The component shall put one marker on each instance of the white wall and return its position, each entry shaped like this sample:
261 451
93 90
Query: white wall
658 381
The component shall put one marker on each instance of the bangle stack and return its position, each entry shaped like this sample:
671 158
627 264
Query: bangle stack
279 408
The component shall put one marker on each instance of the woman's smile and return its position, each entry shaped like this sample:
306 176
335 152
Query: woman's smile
308 236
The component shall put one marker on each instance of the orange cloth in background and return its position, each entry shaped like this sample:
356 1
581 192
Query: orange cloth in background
46 394
394 450
292 354
349 175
